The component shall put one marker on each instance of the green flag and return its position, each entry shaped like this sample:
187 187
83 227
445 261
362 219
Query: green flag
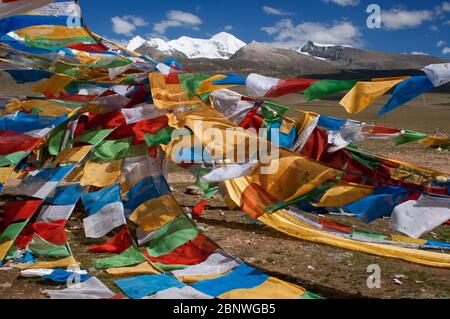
163 136
370 163
40 247
112 150
369 235
325 88
108 64
278 109
56 140
12 231
190 82
410 136
130 257
11 159
171 236
93 137
309 295
271 209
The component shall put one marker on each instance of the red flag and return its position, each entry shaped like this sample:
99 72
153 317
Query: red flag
289 86
88 47
199 209
384 130
118 244
13 142
191 253
25 237
20 210
139 129
334 226
255 199
316 144
106 121
54 232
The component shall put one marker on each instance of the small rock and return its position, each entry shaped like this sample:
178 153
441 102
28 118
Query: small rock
400 276
397 282
311 268
193 190
6 285
5 268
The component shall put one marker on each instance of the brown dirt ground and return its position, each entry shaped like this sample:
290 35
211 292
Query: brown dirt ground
332 272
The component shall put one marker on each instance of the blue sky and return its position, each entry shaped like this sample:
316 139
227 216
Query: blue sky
407 25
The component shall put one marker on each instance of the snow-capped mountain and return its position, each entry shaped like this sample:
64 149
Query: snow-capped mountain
136 43
221 46
350 57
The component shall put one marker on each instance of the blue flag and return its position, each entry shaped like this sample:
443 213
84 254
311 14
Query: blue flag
407 91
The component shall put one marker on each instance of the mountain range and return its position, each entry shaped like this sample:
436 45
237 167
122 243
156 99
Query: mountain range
221 46
224 52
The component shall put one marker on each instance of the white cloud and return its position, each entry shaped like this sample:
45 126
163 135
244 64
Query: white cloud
434 28
228 28
446 50
441 43
127 24
277 12
446 6
344 3
396 19
442 9
176 18
419 53
288 35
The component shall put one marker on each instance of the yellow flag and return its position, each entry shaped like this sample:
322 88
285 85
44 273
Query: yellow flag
4 248
196 278
52 32
207 86
60 263
168 96
280 222
101 174
156 213
73 155
54 85
142 269
282 185
287 125
435 141
5 172
342 195
364 94
221 137
305 119
45 107
272 288
408 240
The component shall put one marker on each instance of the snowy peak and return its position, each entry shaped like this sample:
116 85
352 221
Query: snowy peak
221 46
310 45
136 43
